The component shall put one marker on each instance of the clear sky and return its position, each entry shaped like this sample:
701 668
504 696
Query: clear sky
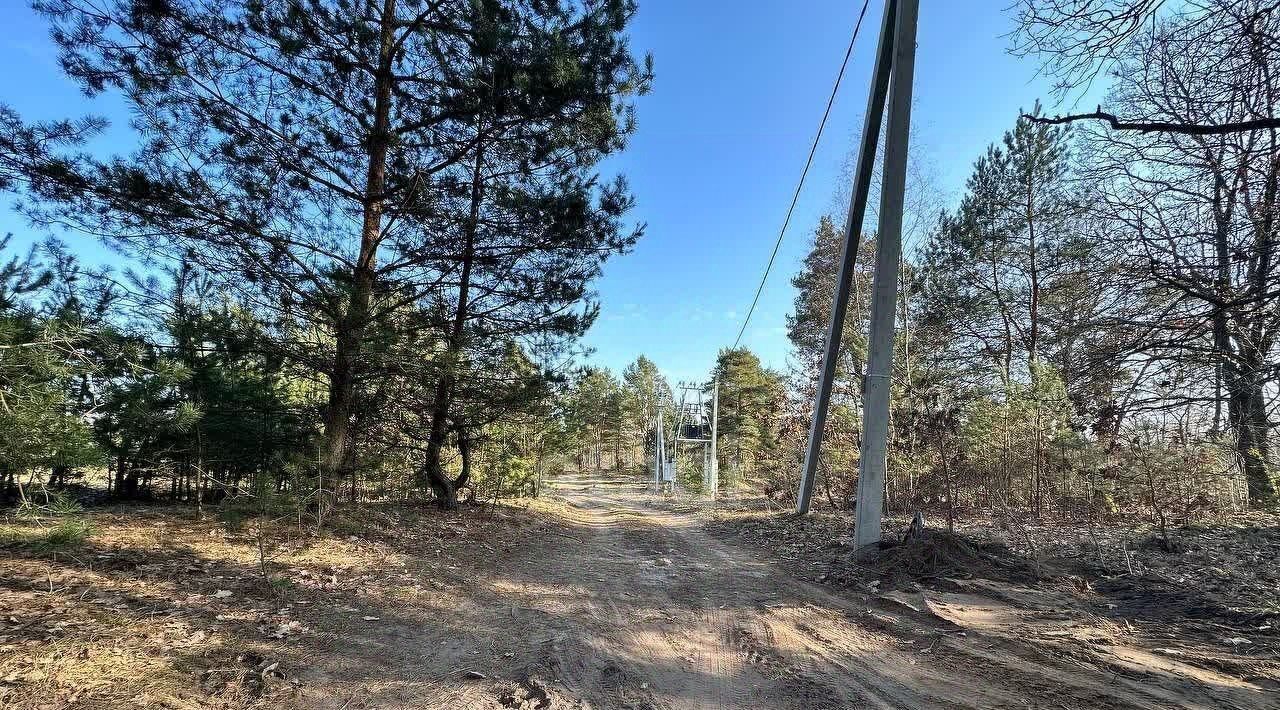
739 90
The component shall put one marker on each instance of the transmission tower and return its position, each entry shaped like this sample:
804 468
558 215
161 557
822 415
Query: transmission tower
694 427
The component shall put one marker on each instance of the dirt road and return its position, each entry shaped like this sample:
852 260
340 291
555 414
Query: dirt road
596 596
627 606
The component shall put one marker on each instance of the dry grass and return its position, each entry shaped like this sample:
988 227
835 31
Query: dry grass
153 607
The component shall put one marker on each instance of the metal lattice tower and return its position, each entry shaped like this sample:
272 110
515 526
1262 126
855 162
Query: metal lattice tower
694 426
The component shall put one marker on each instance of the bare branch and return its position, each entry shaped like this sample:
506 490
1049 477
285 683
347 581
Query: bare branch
1191 129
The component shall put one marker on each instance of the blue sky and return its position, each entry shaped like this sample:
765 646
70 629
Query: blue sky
739 90
740 87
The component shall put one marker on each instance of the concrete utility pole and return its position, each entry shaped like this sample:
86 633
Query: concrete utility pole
713 470
657 452
884 297
896 56
849 252
675 443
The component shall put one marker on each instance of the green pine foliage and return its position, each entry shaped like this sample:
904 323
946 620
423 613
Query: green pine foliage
367 238
751 399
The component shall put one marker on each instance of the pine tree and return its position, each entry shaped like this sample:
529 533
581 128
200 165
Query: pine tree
750 406
992 268
533 221
815 285
300 151
991 264
41 429
645 393
594 414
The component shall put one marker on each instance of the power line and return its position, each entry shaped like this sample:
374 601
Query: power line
804 174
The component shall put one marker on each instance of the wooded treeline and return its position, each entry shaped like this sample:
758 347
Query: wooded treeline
1092 328
368 233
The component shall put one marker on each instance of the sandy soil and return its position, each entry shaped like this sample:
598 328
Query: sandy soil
596 598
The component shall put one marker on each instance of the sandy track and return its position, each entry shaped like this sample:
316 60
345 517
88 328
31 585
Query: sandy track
596 597
627 606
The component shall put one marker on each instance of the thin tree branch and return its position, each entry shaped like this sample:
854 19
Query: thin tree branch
1193 129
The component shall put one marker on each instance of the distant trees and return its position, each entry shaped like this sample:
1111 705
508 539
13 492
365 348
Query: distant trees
155 383
40 369
751 411
594 415
218 403
645 394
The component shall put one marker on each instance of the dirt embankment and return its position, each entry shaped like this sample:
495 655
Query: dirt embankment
1203 610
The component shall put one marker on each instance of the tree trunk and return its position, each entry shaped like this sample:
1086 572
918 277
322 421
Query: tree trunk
1247 415
433 468
464 451
1257 468
350 326
130 487
1033 361
444 489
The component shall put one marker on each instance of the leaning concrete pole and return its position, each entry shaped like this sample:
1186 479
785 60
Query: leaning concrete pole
849 253
884 296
